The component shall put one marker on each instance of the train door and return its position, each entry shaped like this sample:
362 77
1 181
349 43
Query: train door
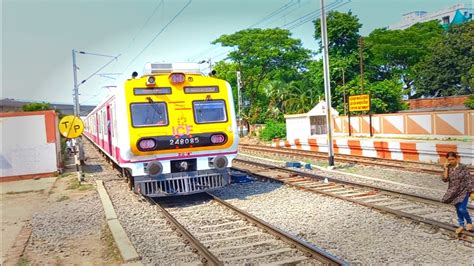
103 129
97 136
108 129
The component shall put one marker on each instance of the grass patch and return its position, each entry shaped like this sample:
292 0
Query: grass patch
111 252
75 184
62 198
351 170
23 261
64 175
23 192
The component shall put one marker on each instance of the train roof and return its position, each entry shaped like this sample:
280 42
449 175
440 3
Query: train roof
163 68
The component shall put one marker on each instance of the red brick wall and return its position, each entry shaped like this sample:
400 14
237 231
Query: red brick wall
451 101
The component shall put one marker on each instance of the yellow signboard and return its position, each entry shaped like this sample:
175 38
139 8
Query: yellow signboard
71 126
359 102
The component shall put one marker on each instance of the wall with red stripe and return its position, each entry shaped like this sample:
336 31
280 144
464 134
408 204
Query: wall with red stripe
420 151
447 123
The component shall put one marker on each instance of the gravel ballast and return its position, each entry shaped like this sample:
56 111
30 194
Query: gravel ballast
351 232
64 221
422 184
147 228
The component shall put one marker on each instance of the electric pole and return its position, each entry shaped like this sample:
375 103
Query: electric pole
361 62
239 101
79 158
327 84
79 149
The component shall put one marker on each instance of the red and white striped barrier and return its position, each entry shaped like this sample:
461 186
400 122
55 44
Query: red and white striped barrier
431 152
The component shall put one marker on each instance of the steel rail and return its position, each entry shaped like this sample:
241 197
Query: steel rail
208 257
388 191
413 166
466 235
309 250
345 158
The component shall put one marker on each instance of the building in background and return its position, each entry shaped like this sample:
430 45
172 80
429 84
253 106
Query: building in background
456 14
448 103
11 105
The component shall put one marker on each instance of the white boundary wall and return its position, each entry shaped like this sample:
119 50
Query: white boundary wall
24 149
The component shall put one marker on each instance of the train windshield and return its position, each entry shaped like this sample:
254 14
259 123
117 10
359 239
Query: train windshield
149 114
209 111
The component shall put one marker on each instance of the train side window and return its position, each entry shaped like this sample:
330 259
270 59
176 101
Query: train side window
213 111
149 114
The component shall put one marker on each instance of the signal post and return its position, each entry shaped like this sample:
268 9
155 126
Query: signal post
72 127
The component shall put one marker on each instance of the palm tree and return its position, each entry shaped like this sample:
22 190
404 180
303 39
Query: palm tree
275 90
300 99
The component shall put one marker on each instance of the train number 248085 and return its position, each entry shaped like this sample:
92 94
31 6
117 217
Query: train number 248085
184 141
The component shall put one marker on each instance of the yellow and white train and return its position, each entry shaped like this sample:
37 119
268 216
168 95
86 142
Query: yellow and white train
173 130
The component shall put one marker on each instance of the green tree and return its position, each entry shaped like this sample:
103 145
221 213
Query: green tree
343 36
273 130
262 55
300 99
469 103
342 32
30 107
448 68
394 53
276 92
386 95
227 71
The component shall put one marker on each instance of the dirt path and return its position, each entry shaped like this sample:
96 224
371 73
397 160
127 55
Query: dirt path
67 224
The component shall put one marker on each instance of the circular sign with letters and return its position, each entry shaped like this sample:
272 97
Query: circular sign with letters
71 126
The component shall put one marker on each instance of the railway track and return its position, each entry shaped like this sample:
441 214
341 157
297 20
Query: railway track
420 209
222 234
302 154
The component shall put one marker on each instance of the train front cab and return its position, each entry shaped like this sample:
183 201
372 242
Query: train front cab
182 131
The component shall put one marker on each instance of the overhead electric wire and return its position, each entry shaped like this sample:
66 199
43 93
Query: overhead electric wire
158 34
141 29
267 17
303 19
152 40
146 23
194 58
315 14
274 13
283 15
309 15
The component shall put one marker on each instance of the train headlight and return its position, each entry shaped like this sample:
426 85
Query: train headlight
218 138
177 78
146 144
151 80
154 168
219 162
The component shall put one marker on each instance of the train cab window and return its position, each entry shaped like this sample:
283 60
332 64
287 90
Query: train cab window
209 111
149 114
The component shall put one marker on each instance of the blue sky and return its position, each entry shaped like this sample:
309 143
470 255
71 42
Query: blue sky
39 35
